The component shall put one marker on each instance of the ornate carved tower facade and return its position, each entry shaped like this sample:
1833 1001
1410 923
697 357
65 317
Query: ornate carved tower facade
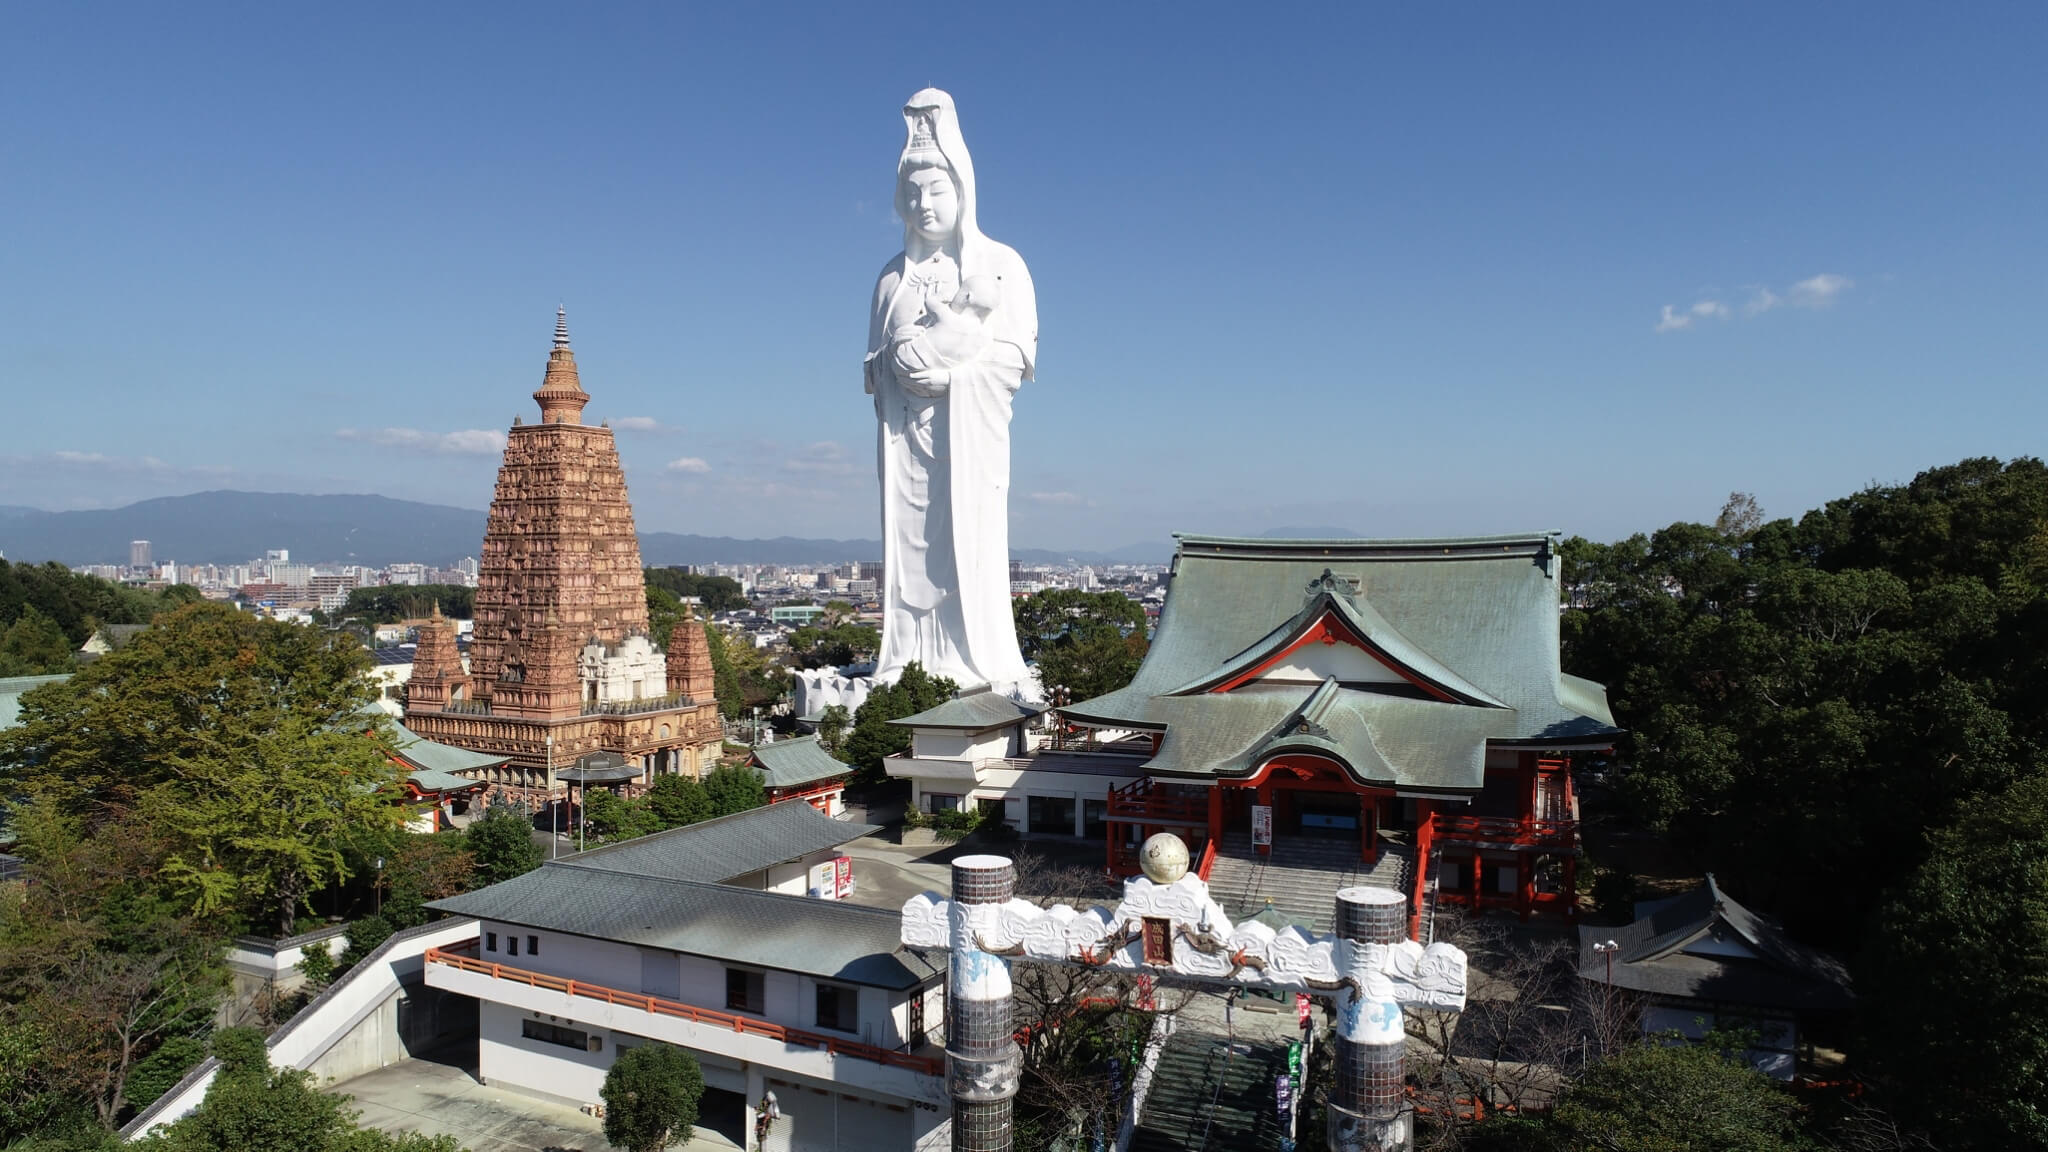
561 647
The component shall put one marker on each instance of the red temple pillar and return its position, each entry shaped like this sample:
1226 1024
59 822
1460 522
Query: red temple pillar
1216 816
1368 829
1478 880
1525 892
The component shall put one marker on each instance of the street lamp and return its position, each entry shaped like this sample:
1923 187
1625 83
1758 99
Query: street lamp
1606 948
378 884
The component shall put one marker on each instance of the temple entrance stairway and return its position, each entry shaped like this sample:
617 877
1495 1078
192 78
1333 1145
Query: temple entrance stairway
1301 878
1210 1093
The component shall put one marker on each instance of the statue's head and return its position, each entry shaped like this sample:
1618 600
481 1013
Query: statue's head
928 200
934 177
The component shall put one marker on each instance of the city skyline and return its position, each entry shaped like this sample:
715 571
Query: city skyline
1721 251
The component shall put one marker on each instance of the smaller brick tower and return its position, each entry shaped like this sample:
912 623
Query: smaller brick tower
437 675
689 659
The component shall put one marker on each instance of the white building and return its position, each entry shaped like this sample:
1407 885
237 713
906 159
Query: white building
979 750
700 937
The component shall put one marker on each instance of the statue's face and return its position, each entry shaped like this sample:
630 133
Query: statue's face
931 204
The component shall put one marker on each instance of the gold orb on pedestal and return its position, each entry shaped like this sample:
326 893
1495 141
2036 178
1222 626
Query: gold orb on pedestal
1164 858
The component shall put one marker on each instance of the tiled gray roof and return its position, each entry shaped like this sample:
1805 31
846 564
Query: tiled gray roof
796 762
728 846
820 938
978 711
1484 610
1651 956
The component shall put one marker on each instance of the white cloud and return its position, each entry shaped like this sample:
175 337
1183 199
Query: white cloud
826 457
694 464
646 424
101 462
1060 499
1673 320
1819 291
465 442
1813 292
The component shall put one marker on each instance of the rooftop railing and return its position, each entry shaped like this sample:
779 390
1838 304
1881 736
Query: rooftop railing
636 707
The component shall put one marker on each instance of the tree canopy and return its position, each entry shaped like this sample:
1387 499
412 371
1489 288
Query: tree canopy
247 744
1085 643
715 593
390 603
873 738
650 1097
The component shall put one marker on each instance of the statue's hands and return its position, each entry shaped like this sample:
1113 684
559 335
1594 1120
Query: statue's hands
925 381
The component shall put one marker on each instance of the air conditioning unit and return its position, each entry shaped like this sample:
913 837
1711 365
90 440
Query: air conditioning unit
595 1043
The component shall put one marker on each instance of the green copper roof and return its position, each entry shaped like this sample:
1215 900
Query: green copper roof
11 688
793 763
431 782
977 711
425 755
1475 619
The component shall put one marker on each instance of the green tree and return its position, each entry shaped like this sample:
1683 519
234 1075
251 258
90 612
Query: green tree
608 818
650 1098
733 788
679 800
501 844
390 603
1088 643
715 593
834 645
34 646
253 1107
99 971
742 677
1959 974
1659 1096
874 737
832 726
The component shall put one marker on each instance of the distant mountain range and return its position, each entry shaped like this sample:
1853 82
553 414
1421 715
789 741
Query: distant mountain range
235 527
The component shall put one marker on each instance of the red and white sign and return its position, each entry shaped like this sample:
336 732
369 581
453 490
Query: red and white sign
1301 1008
843 876
1262 824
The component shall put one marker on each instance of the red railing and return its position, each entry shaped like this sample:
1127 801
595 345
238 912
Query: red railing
1208 861
1425 836
456 957
1140 803
1506 831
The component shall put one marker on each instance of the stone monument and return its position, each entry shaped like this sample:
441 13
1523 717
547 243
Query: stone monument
952 333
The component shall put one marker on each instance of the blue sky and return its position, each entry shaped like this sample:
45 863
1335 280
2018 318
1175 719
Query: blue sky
1397 270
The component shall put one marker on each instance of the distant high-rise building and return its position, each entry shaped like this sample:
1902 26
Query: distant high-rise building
561 664
138 553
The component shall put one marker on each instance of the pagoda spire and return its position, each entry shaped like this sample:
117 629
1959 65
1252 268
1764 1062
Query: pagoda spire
561 396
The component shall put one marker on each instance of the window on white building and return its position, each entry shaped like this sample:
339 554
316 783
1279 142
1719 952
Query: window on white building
556 1034
940 802
743 991
533 945
490 941
1053 814
838 1008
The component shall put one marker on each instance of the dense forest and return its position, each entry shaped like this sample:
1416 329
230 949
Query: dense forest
1844 718
47 611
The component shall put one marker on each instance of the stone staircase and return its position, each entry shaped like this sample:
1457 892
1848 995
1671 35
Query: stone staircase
1207 1094
1301 878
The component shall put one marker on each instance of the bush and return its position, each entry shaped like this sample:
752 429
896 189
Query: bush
650 1097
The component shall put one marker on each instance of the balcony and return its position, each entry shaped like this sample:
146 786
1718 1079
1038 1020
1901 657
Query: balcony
1505 832
814 1054
1142 802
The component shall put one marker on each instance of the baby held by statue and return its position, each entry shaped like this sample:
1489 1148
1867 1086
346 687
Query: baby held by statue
948 336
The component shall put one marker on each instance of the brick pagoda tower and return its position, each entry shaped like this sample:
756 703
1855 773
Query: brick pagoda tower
561 646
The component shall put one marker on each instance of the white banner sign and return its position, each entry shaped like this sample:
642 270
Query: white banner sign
1262 824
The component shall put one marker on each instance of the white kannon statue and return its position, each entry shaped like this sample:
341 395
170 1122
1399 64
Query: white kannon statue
952 334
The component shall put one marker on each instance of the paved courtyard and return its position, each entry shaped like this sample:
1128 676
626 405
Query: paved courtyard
445 1099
